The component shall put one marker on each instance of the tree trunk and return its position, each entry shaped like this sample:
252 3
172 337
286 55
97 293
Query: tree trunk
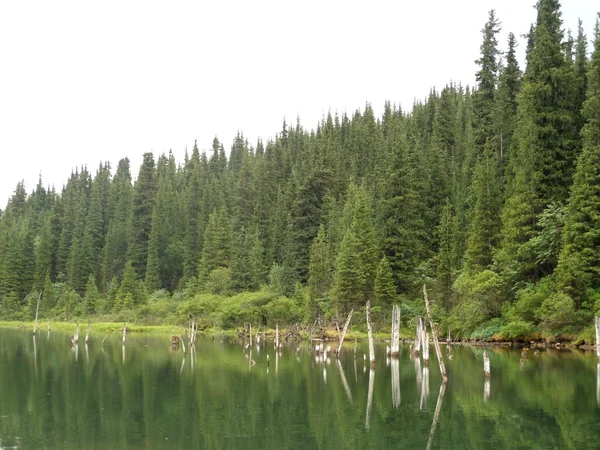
418 337
598 337
343 335
370 333
434 335
370 396
486 364
425 346
395 331
37 308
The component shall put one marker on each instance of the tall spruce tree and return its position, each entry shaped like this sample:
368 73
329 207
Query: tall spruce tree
578 271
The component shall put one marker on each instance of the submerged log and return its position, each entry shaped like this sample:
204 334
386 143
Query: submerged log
436 344
343 335
395 343
370 333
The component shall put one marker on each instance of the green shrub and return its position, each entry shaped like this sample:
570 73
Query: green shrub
281 311
556 312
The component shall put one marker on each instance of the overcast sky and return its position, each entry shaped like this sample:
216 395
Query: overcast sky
83 82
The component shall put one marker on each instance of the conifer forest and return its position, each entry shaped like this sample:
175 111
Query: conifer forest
489 195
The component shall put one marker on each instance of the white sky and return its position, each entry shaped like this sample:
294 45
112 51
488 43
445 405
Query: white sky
83 82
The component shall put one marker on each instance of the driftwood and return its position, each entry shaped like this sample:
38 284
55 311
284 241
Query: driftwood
370 333
434 335
395 344
343 335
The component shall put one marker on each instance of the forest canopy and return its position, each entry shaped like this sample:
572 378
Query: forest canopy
489 195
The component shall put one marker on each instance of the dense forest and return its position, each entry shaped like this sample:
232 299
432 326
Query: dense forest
489 195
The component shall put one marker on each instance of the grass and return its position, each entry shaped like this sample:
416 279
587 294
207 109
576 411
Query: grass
107 327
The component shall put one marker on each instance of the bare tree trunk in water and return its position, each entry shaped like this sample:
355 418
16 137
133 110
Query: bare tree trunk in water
344 331
370 398
395 345
370 333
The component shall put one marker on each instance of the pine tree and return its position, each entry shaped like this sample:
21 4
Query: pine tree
357 261
91 296
542 161
216 250
578 270
385 291
144 199
320 269
509 84
116 242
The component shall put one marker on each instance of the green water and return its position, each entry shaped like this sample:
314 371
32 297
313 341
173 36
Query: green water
147 396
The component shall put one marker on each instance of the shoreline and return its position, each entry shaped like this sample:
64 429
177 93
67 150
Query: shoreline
329 335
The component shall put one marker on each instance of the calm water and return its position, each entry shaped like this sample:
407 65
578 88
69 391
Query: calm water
148 397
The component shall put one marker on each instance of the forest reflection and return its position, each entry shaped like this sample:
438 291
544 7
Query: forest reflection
148 394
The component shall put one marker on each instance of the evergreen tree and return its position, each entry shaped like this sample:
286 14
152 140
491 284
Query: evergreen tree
144 199
357 261
578 269
543 156
385 291
91 296
320 270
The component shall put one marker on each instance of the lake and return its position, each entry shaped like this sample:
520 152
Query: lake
147 395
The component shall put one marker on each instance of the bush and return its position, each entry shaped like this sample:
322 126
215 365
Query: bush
283 310
556 312
517 329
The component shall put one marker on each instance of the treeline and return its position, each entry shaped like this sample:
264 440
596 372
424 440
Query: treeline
489 195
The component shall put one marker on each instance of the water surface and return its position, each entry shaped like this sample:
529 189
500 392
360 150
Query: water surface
147 395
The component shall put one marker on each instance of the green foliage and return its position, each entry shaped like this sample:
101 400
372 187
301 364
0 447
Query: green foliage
219 281
481 299
385 291
91 296
463 192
